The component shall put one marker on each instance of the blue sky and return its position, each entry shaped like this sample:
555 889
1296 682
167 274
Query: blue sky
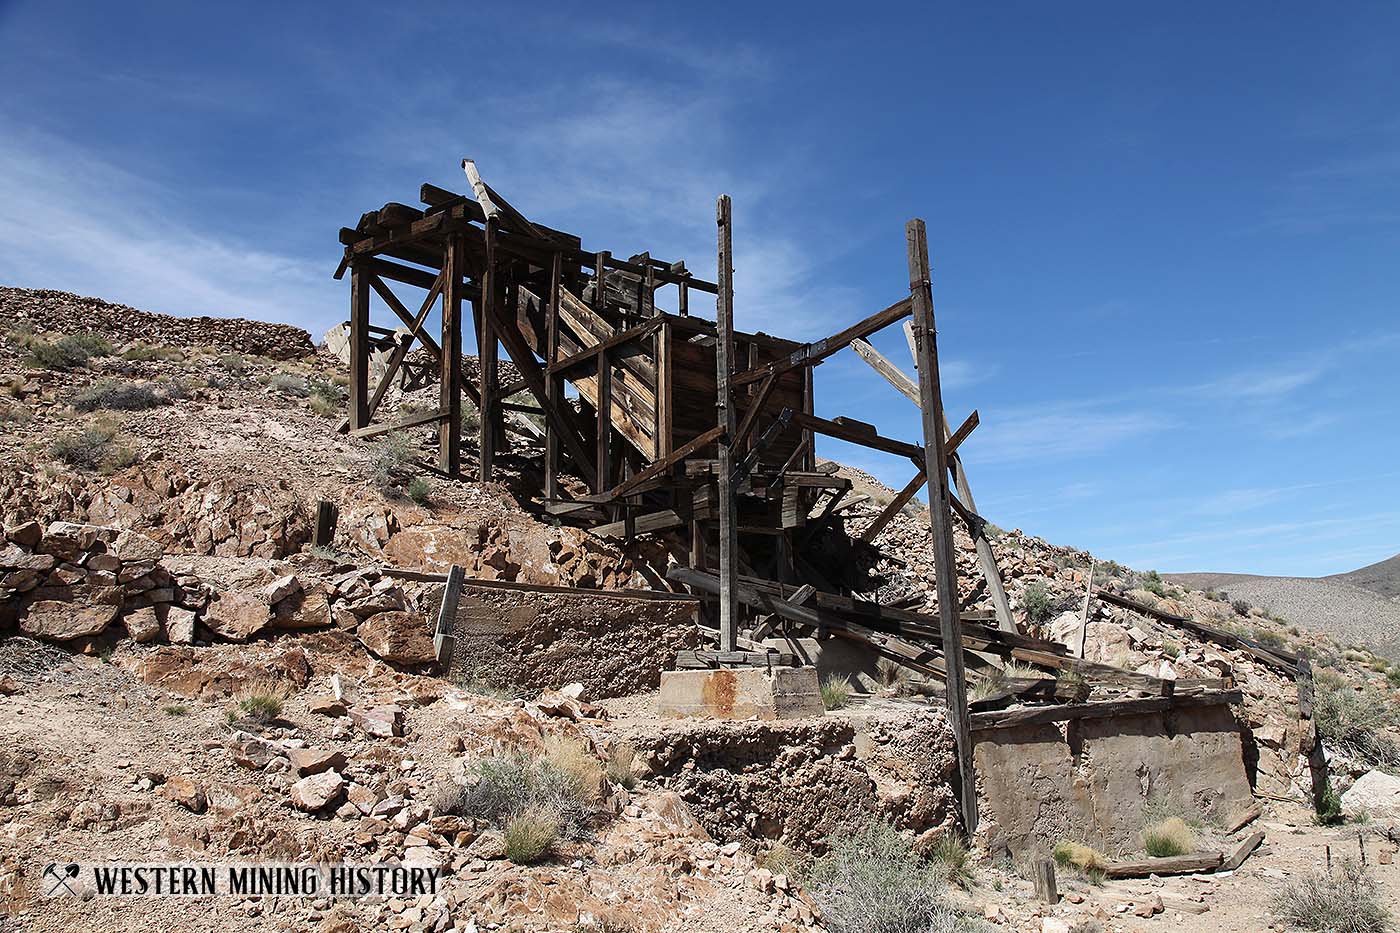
1164 239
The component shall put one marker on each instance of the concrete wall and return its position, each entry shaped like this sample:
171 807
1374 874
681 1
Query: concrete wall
1089 780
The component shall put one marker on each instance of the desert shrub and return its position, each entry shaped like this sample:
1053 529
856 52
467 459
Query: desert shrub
289 384
530 835
1152 582
145 353
1240 606
392 457
71 352
1269 638
1167 838
326 398
13 414
785 860
1039 604
1344 900
260 706
110 395
514 783
175 709
1354 721
1112 568
992 531
1213 596
233 364
86 449
1171 649
619 767
873 882
1392 676
952 854
573 757
836 691
418 490
1329 805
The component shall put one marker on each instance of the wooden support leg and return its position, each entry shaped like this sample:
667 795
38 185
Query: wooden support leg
359 348
603 447
450 396
724 347
486 354
554 385
936 466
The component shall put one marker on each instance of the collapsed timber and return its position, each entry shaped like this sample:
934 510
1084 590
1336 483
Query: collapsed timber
643 421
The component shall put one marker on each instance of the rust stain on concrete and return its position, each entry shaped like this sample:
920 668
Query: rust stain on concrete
719 692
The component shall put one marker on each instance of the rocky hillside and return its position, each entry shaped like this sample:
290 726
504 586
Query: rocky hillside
183 676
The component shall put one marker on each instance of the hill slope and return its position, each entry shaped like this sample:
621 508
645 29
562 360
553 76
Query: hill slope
1381 577
1347 612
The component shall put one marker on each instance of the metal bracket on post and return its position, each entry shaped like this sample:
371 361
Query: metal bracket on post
444 636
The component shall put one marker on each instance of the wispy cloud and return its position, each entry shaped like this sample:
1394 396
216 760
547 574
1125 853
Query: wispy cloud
69 219
1058 431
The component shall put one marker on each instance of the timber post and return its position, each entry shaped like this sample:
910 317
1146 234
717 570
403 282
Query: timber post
936 466
724 404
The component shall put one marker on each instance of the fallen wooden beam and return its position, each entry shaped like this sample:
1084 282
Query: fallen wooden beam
1174 865
1103 709
1284 661
1237 858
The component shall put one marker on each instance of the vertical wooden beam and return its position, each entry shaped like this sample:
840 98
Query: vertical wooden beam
449 391
600 280
359 348
665 441
603 460
809 439
486 353
936 466
554 384
724 348
327 514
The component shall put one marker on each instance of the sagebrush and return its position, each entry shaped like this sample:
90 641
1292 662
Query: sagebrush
1343 900
873 882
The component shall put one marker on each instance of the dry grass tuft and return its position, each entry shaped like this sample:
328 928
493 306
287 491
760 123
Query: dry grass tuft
530 836
836 691
1167 838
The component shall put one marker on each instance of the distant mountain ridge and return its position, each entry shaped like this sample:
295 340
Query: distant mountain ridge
1361 606
1381 577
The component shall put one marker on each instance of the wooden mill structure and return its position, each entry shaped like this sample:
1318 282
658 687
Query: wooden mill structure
665 421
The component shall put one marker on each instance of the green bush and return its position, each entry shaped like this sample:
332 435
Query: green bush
260 707
836 691
1354 721
418 490
326 398
1039 605
234 364
1240 606
1392 676
1343 900
71 352
110 395
1152 582
873 882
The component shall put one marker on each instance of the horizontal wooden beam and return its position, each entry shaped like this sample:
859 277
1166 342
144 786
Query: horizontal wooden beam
590 354
413 421
812 353
842 432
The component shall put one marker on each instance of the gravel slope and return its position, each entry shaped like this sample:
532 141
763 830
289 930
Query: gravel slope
1381 577
1347 612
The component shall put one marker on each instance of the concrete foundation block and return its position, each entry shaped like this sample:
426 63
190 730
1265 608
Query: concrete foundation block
741 693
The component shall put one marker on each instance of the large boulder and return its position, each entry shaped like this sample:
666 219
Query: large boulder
134 546
399 637
237 616
53 620
1375 795
142 624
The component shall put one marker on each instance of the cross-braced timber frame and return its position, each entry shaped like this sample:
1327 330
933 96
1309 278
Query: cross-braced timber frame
675 423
